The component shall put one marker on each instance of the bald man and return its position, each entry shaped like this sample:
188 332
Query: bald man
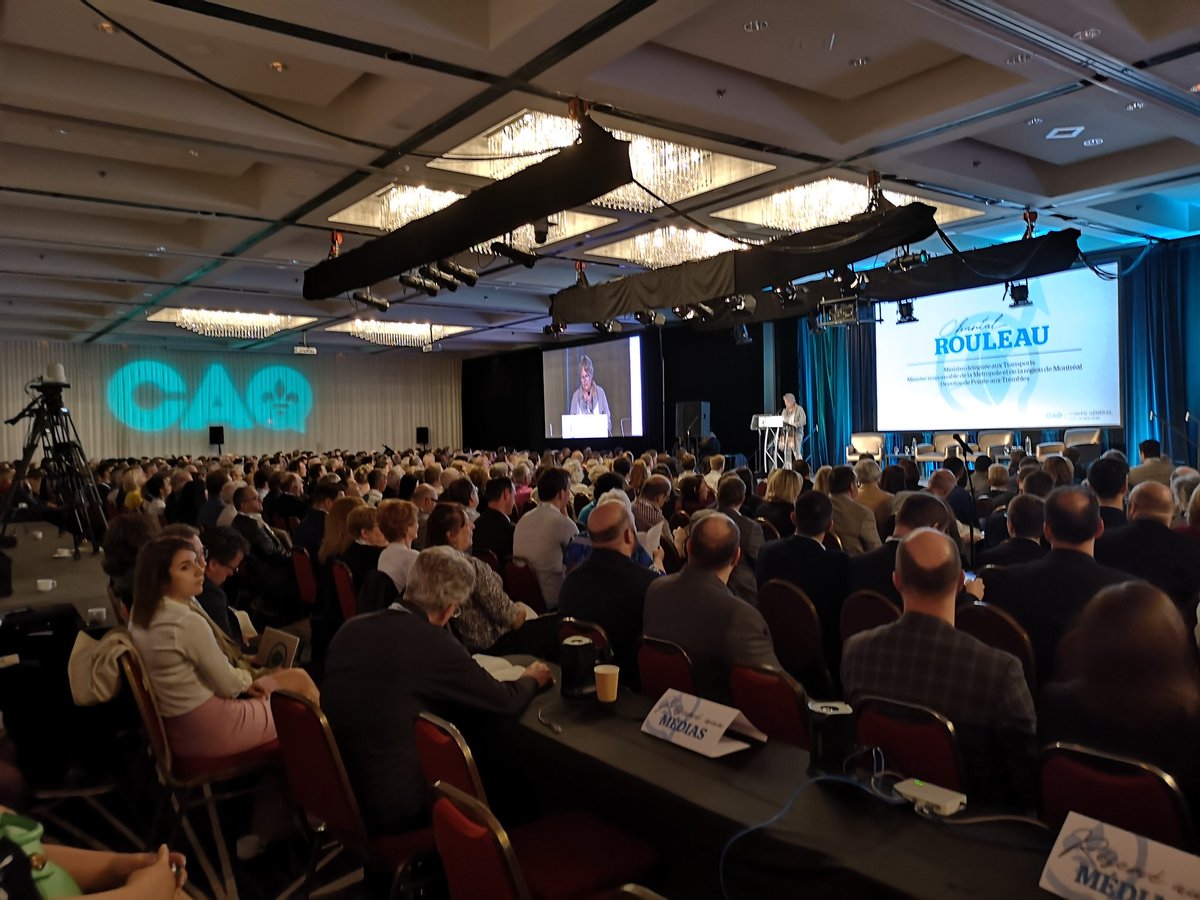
1148 548
923 659
695 609
609 588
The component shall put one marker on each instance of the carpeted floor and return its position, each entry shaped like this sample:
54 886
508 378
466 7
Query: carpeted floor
81 582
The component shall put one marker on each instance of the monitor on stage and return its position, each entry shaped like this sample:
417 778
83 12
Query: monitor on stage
972 360
594 390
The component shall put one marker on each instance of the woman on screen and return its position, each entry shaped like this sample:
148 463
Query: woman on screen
589 399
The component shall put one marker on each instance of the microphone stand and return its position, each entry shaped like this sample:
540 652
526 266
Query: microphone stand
969 468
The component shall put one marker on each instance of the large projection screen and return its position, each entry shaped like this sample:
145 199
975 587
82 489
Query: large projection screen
971 361
616 369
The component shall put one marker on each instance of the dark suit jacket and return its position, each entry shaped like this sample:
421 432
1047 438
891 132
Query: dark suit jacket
742 581
694 609
382 669
778 514
494 531
1112 518
1045 596
214 602
309 532
873 572
1150 550
820 573
1012 552
610 590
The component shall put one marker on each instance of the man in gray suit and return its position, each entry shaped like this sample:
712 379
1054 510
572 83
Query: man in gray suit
695 609
853 523
731 494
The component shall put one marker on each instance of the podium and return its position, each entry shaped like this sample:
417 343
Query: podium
585 426
768 426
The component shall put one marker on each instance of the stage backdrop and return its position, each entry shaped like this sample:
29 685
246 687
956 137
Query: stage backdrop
137 401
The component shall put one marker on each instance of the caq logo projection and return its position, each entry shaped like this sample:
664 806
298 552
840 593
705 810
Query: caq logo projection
152 396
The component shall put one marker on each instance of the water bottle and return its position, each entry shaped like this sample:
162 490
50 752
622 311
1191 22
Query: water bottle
1028 446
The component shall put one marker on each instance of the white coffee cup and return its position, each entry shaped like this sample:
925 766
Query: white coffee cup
37 535
62 553
46 584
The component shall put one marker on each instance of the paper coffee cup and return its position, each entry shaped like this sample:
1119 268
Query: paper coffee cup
606 682
46 584
37 535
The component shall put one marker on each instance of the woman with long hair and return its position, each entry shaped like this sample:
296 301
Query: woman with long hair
198 690
783 487
694 494
337 532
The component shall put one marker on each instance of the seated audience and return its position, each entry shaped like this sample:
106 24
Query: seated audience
873 571
367 542
853 522
731 494
494 527
601 485
1046 595
543 533
311 530
1026 521
214 483
958 498
196 686
783 487
1030 480
694 494
695 609
385 668
999 489
609 588
337 538
648 505
923 659
1191 526
751 503
1130 687
981 475
487 613
425 496
716 469
1184 481
270 577
463 492
398 522
1060 469
1153 465
127 534
226 551
1108 479
870 494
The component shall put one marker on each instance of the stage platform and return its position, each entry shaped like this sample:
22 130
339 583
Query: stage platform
81 582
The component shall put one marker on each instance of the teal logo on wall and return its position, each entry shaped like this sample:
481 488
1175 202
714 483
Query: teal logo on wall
148 395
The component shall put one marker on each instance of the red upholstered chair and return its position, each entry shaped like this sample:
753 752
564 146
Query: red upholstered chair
343 581
1127 793
322 790
306 578
773 701
864 610
520 582
490 557
916 741
565 856
770 532
445 756
795 630
596 633
664 666
189 782
996 628
760 489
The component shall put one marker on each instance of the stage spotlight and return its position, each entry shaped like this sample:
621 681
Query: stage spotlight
417 283
906 261
704 313
686 313
815 326
608 326
786 293
1019 292
368 299
650 317
518 256
905 310
554 328
469 277
743 304
438 277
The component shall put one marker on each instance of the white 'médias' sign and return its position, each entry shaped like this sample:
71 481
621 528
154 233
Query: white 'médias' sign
699 725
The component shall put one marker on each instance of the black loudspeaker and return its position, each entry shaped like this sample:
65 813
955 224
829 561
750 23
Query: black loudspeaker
422 435
692 417
216 434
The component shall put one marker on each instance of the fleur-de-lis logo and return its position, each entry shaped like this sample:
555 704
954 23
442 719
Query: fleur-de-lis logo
280 398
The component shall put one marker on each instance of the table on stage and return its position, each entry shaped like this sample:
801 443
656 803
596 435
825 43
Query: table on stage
837 839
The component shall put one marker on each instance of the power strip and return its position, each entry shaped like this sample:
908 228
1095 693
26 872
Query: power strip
931 798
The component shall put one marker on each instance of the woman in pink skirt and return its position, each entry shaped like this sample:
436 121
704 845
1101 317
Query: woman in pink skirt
199 693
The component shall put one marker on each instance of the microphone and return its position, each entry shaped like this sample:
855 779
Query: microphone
966 448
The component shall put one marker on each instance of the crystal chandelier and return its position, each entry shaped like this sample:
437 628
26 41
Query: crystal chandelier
219 323
673 171
667 246
825 202
398 334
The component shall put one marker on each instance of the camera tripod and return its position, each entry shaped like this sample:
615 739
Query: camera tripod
65 467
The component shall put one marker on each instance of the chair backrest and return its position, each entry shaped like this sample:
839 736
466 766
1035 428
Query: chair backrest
944 440
306 578
794 624
343 581
760 489
147 707
520 582
490 557
864 610
1119 791
773 701
120 610
866 442
378 592
475 850
445 756
1049 448
987 440
998 629
579 502
1073 437
770 532
916 741
315 772
664 666
570 626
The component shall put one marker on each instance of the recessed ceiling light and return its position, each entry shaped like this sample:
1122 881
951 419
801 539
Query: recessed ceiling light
1018 59
1088 34
859 61
278 65
756 25
1036 120
1064 132
1093 142
106 26
1134 105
